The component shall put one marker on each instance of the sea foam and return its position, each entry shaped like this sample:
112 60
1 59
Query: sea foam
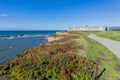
20 36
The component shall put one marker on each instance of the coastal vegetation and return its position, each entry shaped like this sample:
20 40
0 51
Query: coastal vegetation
50 61
106 59
72 57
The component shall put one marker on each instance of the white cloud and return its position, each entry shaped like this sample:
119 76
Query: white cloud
3 15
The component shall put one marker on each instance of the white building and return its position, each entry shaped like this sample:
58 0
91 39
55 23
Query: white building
90 28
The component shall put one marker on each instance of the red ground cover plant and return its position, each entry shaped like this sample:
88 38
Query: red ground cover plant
55 60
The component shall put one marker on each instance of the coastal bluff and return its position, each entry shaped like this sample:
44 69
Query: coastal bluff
57 36
56 60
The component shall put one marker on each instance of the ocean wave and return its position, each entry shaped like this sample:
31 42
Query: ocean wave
20 35
5 48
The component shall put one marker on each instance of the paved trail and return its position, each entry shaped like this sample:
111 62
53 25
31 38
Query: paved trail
112 45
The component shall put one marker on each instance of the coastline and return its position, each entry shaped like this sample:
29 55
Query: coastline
61 46
11 44
4 77
69 57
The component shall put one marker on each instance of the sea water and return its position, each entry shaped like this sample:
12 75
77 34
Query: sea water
15 42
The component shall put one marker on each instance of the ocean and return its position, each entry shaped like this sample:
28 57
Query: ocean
115 28
15 42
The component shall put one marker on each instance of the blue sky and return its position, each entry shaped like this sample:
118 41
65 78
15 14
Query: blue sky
57 14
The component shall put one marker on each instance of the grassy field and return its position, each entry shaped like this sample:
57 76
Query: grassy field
114 35
71 58
105 58
56 60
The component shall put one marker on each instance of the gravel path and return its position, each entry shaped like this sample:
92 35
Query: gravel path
112 45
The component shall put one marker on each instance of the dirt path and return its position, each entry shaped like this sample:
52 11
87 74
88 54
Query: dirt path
112 45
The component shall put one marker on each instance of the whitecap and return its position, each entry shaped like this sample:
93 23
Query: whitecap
11 37
21 36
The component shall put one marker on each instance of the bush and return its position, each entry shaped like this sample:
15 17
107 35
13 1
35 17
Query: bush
52 61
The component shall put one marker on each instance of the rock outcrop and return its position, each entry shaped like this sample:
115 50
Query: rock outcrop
58 36
62 33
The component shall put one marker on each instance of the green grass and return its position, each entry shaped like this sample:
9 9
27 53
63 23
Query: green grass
71 58
106 58
114 35
55 60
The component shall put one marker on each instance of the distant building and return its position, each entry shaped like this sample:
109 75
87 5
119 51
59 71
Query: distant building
89 28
